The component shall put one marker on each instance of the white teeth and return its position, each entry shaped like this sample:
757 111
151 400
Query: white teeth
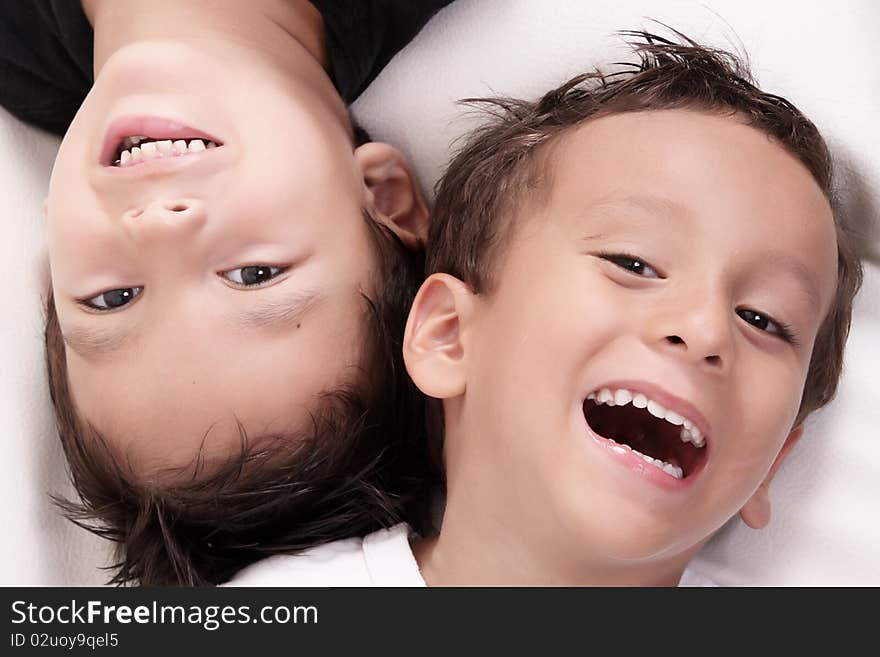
674 418
149 150
692 435
622 397
668 468
656 409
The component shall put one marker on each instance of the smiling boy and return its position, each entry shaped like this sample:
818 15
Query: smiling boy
231 266
639 291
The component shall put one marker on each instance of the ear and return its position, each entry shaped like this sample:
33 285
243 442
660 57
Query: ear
756 512
433 349
394 193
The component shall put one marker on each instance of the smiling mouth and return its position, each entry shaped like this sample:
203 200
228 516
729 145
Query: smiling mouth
137 149
666 443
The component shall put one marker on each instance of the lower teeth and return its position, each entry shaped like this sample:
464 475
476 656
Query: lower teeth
668 468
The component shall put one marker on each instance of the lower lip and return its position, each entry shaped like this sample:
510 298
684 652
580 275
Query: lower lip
628 459
151 126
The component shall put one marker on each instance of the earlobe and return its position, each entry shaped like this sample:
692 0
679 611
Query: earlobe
757 510
433 346
394 193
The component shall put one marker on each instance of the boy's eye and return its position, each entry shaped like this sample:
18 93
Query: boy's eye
112 299
631 263
764 323
252 275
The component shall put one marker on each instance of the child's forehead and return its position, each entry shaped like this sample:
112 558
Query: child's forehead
679 157
640 133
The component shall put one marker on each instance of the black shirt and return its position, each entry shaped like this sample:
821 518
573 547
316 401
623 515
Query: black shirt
46 49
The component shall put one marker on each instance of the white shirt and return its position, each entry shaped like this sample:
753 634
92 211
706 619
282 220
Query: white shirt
383 558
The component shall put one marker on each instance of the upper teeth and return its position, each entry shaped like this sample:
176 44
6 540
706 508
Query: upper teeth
136 149
689 432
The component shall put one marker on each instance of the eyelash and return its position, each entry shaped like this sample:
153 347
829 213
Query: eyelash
785 331
136 291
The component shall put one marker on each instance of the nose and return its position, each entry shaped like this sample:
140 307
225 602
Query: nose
698 331
166 218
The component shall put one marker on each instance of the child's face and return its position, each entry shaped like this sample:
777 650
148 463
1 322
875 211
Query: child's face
193 353
725 224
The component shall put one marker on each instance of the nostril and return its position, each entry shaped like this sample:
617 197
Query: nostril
176 207
674 339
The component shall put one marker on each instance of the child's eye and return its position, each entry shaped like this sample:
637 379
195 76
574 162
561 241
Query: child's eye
112 299
765 322
252 275
631 263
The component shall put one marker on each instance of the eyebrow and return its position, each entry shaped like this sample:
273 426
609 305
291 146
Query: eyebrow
797 269
659 205
266 313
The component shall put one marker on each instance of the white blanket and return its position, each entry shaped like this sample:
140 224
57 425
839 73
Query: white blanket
825 527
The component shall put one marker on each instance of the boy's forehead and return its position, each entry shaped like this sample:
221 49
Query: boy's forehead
679 162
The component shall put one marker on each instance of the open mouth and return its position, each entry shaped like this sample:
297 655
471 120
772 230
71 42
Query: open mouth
661 437
135 149
133 140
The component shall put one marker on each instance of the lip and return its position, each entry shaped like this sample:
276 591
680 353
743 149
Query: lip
635 463
152 126
652 474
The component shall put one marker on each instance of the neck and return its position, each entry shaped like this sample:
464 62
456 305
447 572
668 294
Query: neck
468 552
267 26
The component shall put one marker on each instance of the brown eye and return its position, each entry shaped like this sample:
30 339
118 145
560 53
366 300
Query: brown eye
766 323
631 263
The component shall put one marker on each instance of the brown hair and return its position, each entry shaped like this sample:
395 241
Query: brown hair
361 466
501 167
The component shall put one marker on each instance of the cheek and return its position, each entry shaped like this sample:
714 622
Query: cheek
769 399
73 212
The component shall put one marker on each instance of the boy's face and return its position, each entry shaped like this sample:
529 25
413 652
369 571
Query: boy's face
189 350
729 231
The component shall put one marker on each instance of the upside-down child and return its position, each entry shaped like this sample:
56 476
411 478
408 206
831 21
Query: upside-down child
639 290
231 267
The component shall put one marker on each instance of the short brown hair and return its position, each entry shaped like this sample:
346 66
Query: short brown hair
500 167
360 467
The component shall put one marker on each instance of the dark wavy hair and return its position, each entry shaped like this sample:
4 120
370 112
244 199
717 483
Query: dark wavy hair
502 162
